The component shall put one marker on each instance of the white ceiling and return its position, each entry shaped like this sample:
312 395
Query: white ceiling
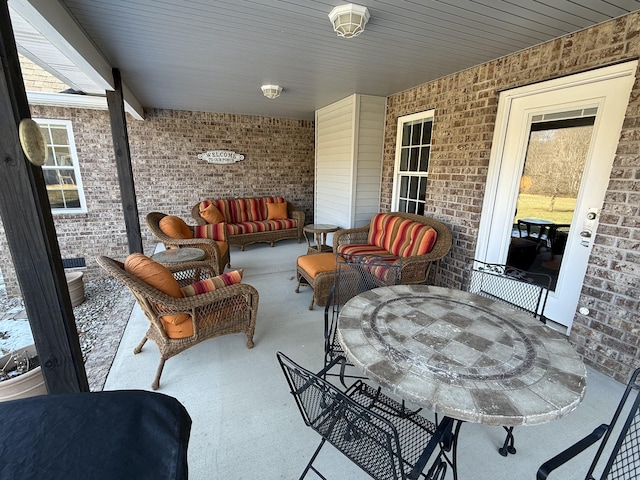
213 55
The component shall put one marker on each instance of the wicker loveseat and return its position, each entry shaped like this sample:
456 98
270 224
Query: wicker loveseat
252 220
411 243
415 242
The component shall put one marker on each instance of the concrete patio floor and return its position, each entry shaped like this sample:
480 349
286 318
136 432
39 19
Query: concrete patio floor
246 424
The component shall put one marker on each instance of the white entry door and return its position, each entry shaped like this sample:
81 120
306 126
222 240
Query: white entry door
529 117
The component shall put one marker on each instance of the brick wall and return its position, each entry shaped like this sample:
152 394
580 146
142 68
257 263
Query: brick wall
36 79
279 160
465 112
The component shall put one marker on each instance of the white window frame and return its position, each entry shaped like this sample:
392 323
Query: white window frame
74 159
424 116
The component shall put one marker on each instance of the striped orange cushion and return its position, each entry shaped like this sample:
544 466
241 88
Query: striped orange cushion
233 209
423 238
239 210
356 251
216 231
211 284
381 229
400 236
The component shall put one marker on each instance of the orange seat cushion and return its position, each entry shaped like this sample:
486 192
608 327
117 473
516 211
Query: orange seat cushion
224 246
318 263
175 227
184 330
276 211
159 277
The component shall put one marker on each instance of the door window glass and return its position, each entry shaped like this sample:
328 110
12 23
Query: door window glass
554 163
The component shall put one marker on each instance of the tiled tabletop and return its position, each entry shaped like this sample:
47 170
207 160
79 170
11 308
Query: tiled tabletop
177 255
462 355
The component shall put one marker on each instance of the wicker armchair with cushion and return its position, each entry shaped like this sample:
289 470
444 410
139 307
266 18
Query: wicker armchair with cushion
415 242
181 313
173 232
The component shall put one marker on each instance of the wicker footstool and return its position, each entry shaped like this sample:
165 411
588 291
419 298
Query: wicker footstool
318 271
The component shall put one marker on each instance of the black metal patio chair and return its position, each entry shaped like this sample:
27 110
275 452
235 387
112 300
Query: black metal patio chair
525 291
375 432
356 276
624 460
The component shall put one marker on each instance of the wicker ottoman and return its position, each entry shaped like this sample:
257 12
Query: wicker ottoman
318 271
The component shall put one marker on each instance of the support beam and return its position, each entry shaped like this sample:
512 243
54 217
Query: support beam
31 235
118 119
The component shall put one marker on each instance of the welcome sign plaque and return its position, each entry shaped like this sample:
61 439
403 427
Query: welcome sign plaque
220 156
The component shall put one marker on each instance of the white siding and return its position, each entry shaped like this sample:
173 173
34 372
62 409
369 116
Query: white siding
369 158
349 142
334 149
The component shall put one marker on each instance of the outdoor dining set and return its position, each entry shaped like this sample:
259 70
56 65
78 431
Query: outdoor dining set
407 365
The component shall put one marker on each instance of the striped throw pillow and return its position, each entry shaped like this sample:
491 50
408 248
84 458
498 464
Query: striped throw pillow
216 231
214 283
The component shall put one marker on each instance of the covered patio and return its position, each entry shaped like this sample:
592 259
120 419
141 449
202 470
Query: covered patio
246 423
149 138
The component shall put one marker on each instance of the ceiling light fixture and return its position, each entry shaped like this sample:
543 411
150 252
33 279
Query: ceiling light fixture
349 20
271 91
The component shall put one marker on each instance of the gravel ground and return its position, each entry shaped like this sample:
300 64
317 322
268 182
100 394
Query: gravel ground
100 320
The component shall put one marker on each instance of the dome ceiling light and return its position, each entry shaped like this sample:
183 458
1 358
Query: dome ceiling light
271 91
349 20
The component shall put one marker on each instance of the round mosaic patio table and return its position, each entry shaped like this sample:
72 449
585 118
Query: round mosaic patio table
462 355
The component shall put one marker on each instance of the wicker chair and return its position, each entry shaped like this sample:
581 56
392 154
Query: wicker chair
416 268
231 309
216 260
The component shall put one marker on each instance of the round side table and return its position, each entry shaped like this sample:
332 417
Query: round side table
176 255
319 231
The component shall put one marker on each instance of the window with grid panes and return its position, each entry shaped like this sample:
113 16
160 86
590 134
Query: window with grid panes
412 162
61 170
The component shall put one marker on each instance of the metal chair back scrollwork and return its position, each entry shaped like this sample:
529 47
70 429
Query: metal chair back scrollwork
375 432
353 277
624 457
523 290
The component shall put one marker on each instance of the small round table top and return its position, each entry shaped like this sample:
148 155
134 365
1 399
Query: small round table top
321 228
462 355
536 221
175 255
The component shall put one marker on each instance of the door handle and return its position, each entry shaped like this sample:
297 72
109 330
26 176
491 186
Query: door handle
585 233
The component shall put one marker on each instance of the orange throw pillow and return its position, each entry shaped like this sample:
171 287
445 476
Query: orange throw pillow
277 211
158 276
211 214
175 227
